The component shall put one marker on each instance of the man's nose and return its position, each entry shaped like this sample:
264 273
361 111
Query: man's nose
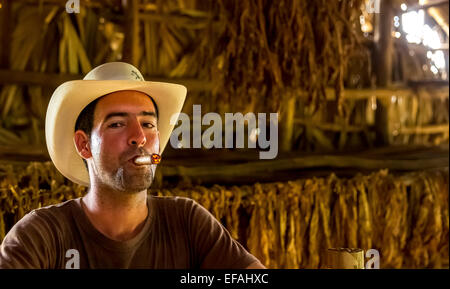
137 135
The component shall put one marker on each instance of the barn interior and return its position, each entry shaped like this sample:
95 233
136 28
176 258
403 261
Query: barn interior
359 88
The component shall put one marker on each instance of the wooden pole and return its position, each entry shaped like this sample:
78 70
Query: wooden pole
5 32
287 130
384 51
131 44
384 43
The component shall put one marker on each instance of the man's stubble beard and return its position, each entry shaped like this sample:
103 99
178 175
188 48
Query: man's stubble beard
120 177
132 183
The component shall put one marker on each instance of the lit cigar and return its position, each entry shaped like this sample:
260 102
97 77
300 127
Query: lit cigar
147 160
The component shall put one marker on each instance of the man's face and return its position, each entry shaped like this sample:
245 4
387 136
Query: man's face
125 126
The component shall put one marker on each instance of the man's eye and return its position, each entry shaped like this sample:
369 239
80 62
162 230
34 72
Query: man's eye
115 124
148 125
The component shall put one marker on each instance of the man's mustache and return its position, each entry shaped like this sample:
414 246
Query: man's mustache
135 152
141 156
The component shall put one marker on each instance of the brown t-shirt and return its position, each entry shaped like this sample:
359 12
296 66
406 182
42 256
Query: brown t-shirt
178 234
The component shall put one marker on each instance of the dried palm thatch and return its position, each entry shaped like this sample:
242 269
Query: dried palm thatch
25 38
255 53
33 49
47 39
291 224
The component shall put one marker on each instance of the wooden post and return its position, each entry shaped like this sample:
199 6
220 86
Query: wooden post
384 43
384 51
287 129
151 37
5 32
131 44
345 258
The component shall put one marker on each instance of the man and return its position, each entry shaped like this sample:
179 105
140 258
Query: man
97 130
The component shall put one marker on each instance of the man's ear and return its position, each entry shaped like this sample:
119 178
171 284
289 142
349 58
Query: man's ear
82 144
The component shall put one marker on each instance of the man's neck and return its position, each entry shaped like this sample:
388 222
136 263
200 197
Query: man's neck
118 216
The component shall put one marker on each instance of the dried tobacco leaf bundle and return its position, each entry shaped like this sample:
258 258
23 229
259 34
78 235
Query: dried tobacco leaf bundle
291 224
267 49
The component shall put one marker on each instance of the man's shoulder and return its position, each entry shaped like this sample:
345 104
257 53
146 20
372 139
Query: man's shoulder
175 205
182 207
41 224
56 210
173 201
48 216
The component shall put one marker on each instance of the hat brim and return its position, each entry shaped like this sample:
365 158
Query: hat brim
71 97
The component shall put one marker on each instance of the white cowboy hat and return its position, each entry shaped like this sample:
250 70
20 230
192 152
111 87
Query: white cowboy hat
71 97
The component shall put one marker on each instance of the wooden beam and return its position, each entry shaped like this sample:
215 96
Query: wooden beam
388 92
442 47
178 20
429 82
331 126
23 153
55 79
441 17
428 4
244 167
262 168
429 129
35 78
86 3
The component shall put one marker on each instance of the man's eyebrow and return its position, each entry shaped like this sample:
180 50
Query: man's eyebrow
125 114
113 114
148 113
